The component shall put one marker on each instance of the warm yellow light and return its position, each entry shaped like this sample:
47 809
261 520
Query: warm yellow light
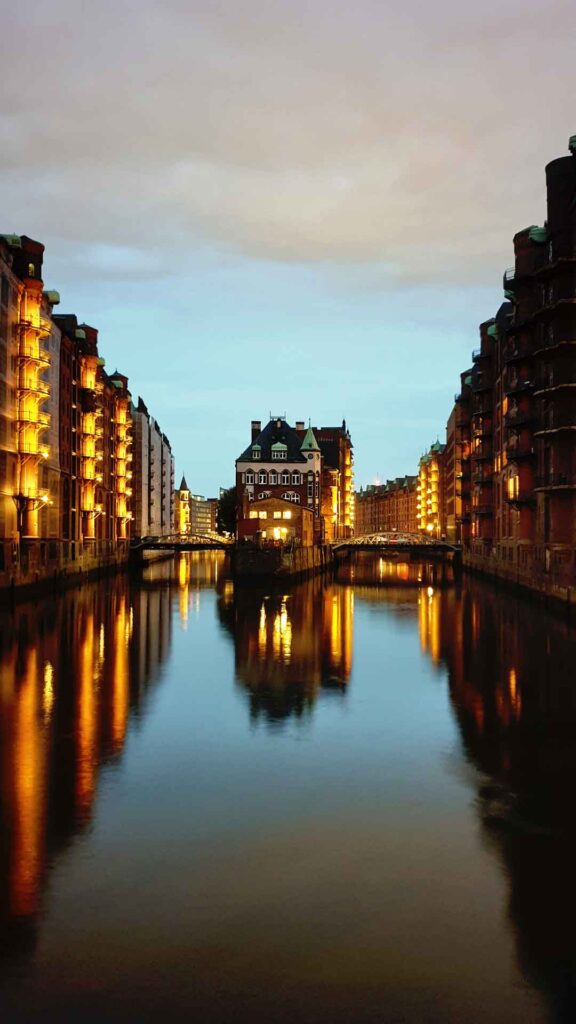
287 515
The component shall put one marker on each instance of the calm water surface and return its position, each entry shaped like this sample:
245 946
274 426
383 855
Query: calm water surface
349 802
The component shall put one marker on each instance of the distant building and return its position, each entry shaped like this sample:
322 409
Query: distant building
387 508
430 508
203 514
182 508
153 476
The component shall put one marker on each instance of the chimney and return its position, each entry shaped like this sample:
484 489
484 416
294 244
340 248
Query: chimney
300 425
256 428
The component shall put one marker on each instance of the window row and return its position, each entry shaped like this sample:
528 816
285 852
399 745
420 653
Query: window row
272 478
257 514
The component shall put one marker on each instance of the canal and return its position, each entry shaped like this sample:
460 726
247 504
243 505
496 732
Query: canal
350 801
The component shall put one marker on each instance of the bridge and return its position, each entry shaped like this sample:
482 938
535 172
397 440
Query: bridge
414 544
182 542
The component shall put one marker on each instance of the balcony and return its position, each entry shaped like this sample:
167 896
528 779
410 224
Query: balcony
517 449
518 417
480 479
33 354
482 382
478 355
481 453
35 387
482 510
509 279
524 497
517 350
549 341
517 386
556 420
552 386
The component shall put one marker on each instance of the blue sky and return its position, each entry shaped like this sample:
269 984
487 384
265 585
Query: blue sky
273 206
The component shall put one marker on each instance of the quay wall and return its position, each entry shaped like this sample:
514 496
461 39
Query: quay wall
248 561
557 588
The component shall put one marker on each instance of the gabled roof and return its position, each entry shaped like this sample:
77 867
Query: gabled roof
276 432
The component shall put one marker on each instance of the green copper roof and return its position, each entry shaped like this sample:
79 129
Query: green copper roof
278 447
492 331
536 234
309 444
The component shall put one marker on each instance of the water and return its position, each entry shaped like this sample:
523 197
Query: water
349 802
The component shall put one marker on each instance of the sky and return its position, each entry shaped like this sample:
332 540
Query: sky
283 206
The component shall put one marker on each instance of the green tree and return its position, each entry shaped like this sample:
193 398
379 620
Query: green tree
226 515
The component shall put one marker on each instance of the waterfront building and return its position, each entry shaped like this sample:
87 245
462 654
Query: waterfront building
284 464
388 507
523 444
153 476
66 456
337 481
430 498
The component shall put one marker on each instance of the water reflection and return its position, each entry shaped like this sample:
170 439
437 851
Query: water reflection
75 673
291 645
72 672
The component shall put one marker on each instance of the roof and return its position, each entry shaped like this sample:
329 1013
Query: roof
310 444
277 432
184 485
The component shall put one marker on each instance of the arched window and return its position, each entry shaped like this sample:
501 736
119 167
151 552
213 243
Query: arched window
296 478
285 477
272 477
249 477
291 496
263 477
31 270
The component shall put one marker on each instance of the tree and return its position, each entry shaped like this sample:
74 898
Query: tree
226 514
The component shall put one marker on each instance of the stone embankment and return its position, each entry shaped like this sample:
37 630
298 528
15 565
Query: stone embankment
251 561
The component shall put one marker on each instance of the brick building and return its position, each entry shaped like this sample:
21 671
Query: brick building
523 412
387 508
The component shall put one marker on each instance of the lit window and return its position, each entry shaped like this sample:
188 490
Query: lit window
253 514
31 270
287 515
262 515
278 515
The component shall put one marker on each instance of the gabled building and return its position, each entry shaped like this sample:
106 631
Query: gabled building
283 468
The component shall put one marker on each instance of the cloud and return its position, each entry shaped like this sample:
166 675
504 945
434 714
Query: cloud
394 133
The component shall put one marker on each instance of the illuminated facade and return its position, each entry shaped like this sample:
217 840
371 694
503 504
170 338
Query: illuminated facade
310 467
387 508
182 508
430 514
67 462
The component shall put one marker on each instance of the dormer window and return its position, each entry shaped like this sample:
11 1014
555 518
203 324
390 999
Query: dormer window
279 450
278 454
256 451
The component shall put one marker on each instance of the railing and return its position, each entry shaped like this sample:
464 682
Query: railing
483 451
518 417
37 355
516 449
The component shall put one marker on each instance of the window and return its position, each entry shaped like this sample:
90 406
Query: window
253 514
262 515
249 477
31 270
296 479
278 515
256 453
291 496
279 455
272 477
263 477
285 478
286 515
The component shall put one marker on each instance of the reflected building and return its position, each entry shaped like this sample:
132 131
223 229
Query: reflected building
72 673
290 646
512 686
